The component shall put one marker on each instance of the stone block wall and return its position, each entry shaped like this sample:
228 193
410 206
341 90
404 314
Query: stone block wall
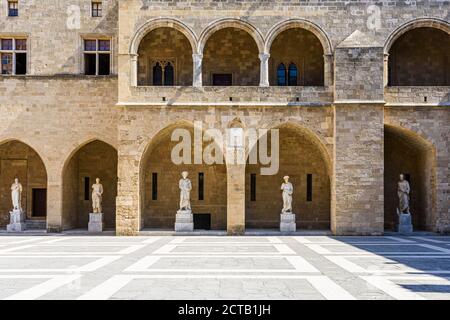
358 74
358 170
55 116
55 32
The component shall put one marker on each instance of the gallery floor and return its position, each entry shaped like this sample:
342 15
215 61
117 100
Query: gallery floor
215 267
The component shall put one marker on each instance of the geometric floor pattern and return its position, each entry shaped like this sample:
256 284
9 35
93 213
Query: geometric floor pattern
207 267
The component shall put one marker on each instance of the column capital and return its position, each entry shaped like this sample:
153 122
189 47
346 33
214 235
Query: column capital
264 56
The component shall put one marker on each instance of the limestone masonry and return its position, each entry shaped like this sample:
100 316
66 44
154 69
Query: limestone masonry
359 91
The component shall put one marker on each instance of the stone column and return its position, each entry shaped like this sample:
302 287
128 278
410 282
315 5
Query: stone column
264 73
133 69
328 70
386 70
236 199
197 59
54 202
127 202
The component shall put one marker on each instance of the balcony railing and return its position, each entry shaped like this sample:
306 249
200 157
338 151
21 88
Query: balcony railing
232 95
417 96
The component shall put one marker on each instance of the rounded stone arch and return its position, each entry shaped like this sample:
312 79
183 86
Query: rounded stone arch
30 144
75 146
159 176
89 158
301 24
20 159
162 23
230 23
414 24
413 154
314 136
305 158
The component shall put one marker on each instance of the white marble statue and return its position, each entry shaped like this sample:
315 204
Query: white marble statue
16 195
288 190
403 195
185 192
97 192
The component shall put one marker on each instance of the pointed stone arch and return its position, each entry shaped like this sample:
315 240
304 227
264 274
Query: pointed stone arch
412 154
159 176
305 158
18 159
90 159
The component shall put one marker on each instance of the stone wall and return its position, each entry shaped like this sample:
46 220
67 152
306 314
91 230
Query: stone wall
139 126
54 39
358 170
55 116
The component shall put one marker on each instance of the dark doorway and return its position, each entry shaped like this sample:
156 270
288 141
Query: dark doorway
222 79
39 203
202 221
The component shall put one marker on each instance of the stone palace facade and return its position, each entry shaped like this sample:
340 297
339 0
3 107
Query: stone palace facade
358 90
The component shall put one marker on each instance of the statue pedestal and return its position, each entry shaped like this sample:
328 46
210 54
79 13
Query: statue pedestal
16 221
184 221
96 223
404 223
287 222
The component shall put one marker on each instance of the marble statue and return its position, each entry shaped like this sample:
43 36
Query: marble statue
288 190
97 191
403 195
185 192
16 195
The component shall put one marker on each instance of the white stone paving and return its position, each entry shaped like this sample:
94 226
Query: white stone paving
216 267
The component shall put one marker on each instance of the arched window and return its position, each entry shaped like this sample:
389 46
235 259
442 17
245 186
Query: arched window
281 75
157 75
292 75
168 75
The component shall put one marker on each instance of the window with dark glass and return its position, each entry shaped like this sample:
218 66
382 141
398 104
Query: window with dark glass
281 74
97 57
309 187
96 8
157 75
252 187
13 8
201 186
154 186
168 75
292 75
87 188
13 56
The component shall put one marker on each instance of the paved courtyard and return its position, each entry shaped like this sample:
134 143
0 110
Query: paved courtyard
309 267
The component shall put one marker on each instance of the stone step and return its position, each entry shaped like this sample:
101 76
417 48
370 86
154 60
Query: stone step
36 224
